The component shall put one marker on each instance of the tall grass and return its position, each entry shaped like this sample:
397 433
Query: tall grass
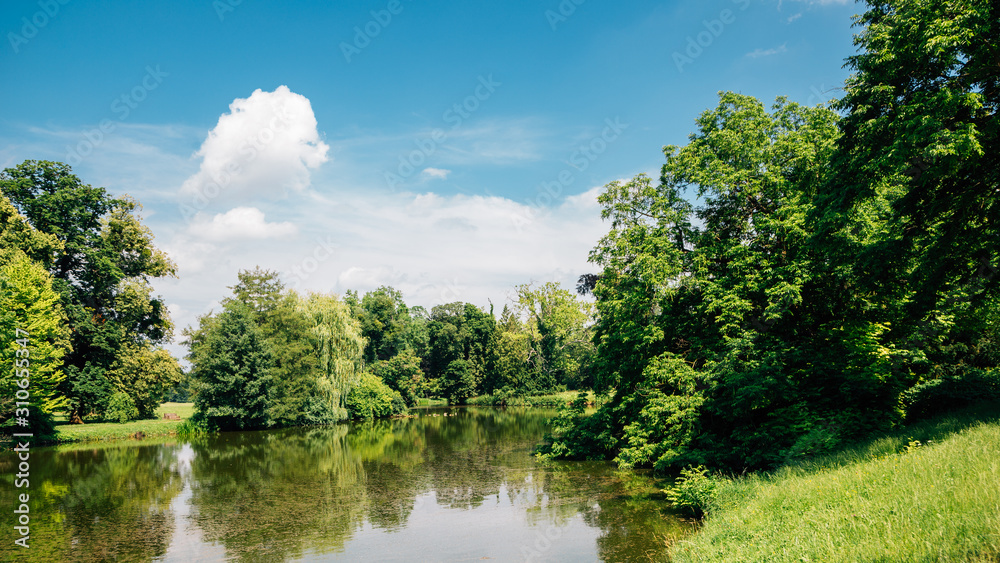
931 493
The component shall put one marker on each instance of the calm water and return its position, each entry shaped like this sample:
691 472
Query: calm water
447 485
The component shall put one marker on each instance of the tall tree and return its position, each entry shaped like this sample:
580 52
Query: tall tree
231 366
920 146
561 341
105 254
33 341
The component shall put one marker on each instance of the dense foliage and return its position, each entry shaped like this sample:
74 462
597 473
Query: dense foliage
835 275
540 344
77 265
273 358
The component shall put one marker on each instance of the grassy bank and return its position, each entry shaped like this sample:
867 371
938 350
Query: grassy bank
65 432
927 494
551 400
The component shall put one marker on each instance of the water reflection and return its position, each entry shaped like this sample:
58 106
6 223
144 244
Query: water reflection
445 485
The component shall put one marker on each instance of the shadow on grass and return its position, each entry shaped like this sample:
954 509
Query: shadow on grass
934 429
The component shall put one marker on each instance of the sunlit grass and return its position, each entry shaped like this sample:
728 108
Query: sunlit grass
548 400
65 432
929 494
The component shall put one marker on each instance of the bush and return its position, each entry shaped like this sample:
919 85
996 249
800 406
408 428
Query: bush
372 398
121 408
694 492
951 390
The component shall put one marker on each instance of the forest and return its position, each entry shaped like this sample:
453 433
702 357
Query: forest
797 277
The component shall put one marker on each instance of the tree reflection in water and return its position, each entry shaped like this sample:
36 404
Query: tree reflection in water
431 487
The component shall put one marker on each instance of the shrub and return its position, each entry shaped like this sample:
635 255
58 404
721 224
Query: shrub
694 492
372 398
121 408
951 390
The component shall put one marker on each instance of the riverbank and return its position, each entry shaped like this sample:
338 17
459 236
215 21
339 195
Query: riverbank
95 431
928 493
551 400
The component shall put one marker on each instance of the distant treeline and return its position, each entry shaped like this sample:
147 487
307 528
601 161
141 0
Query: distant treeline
274 358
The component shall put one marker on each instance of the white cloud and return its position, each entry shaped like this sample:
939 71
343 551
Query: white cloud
266 145
435 249
436 173
795 17
767 52
241 223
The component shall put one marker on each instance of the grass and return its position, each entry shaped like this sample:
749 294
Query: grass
65 432
929 493
432 402
550 400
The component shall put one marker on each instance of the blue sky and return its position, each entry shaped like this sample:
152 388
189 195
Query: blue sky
489 102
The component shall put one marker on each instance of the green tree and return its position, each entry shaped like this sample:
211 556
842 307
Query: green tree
921 142
459 382
339 347
561 343
711 335
401 372
145 375
372 398
910 212
104 255
33 341
231 365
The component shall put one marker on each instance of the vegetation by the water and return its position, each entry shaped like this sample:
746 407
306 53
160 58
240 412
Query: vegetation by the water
64 432
560 399
801 277
928 493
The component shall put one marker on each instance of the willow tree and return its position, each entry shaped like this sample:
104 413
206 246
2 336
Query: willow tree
338 344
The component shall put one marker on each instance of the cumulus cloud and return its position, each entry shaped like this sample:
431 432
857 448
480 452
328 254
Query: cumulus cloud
265 146
241 223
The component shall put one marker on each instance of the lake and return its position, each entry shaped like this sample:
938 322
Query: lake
445 485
